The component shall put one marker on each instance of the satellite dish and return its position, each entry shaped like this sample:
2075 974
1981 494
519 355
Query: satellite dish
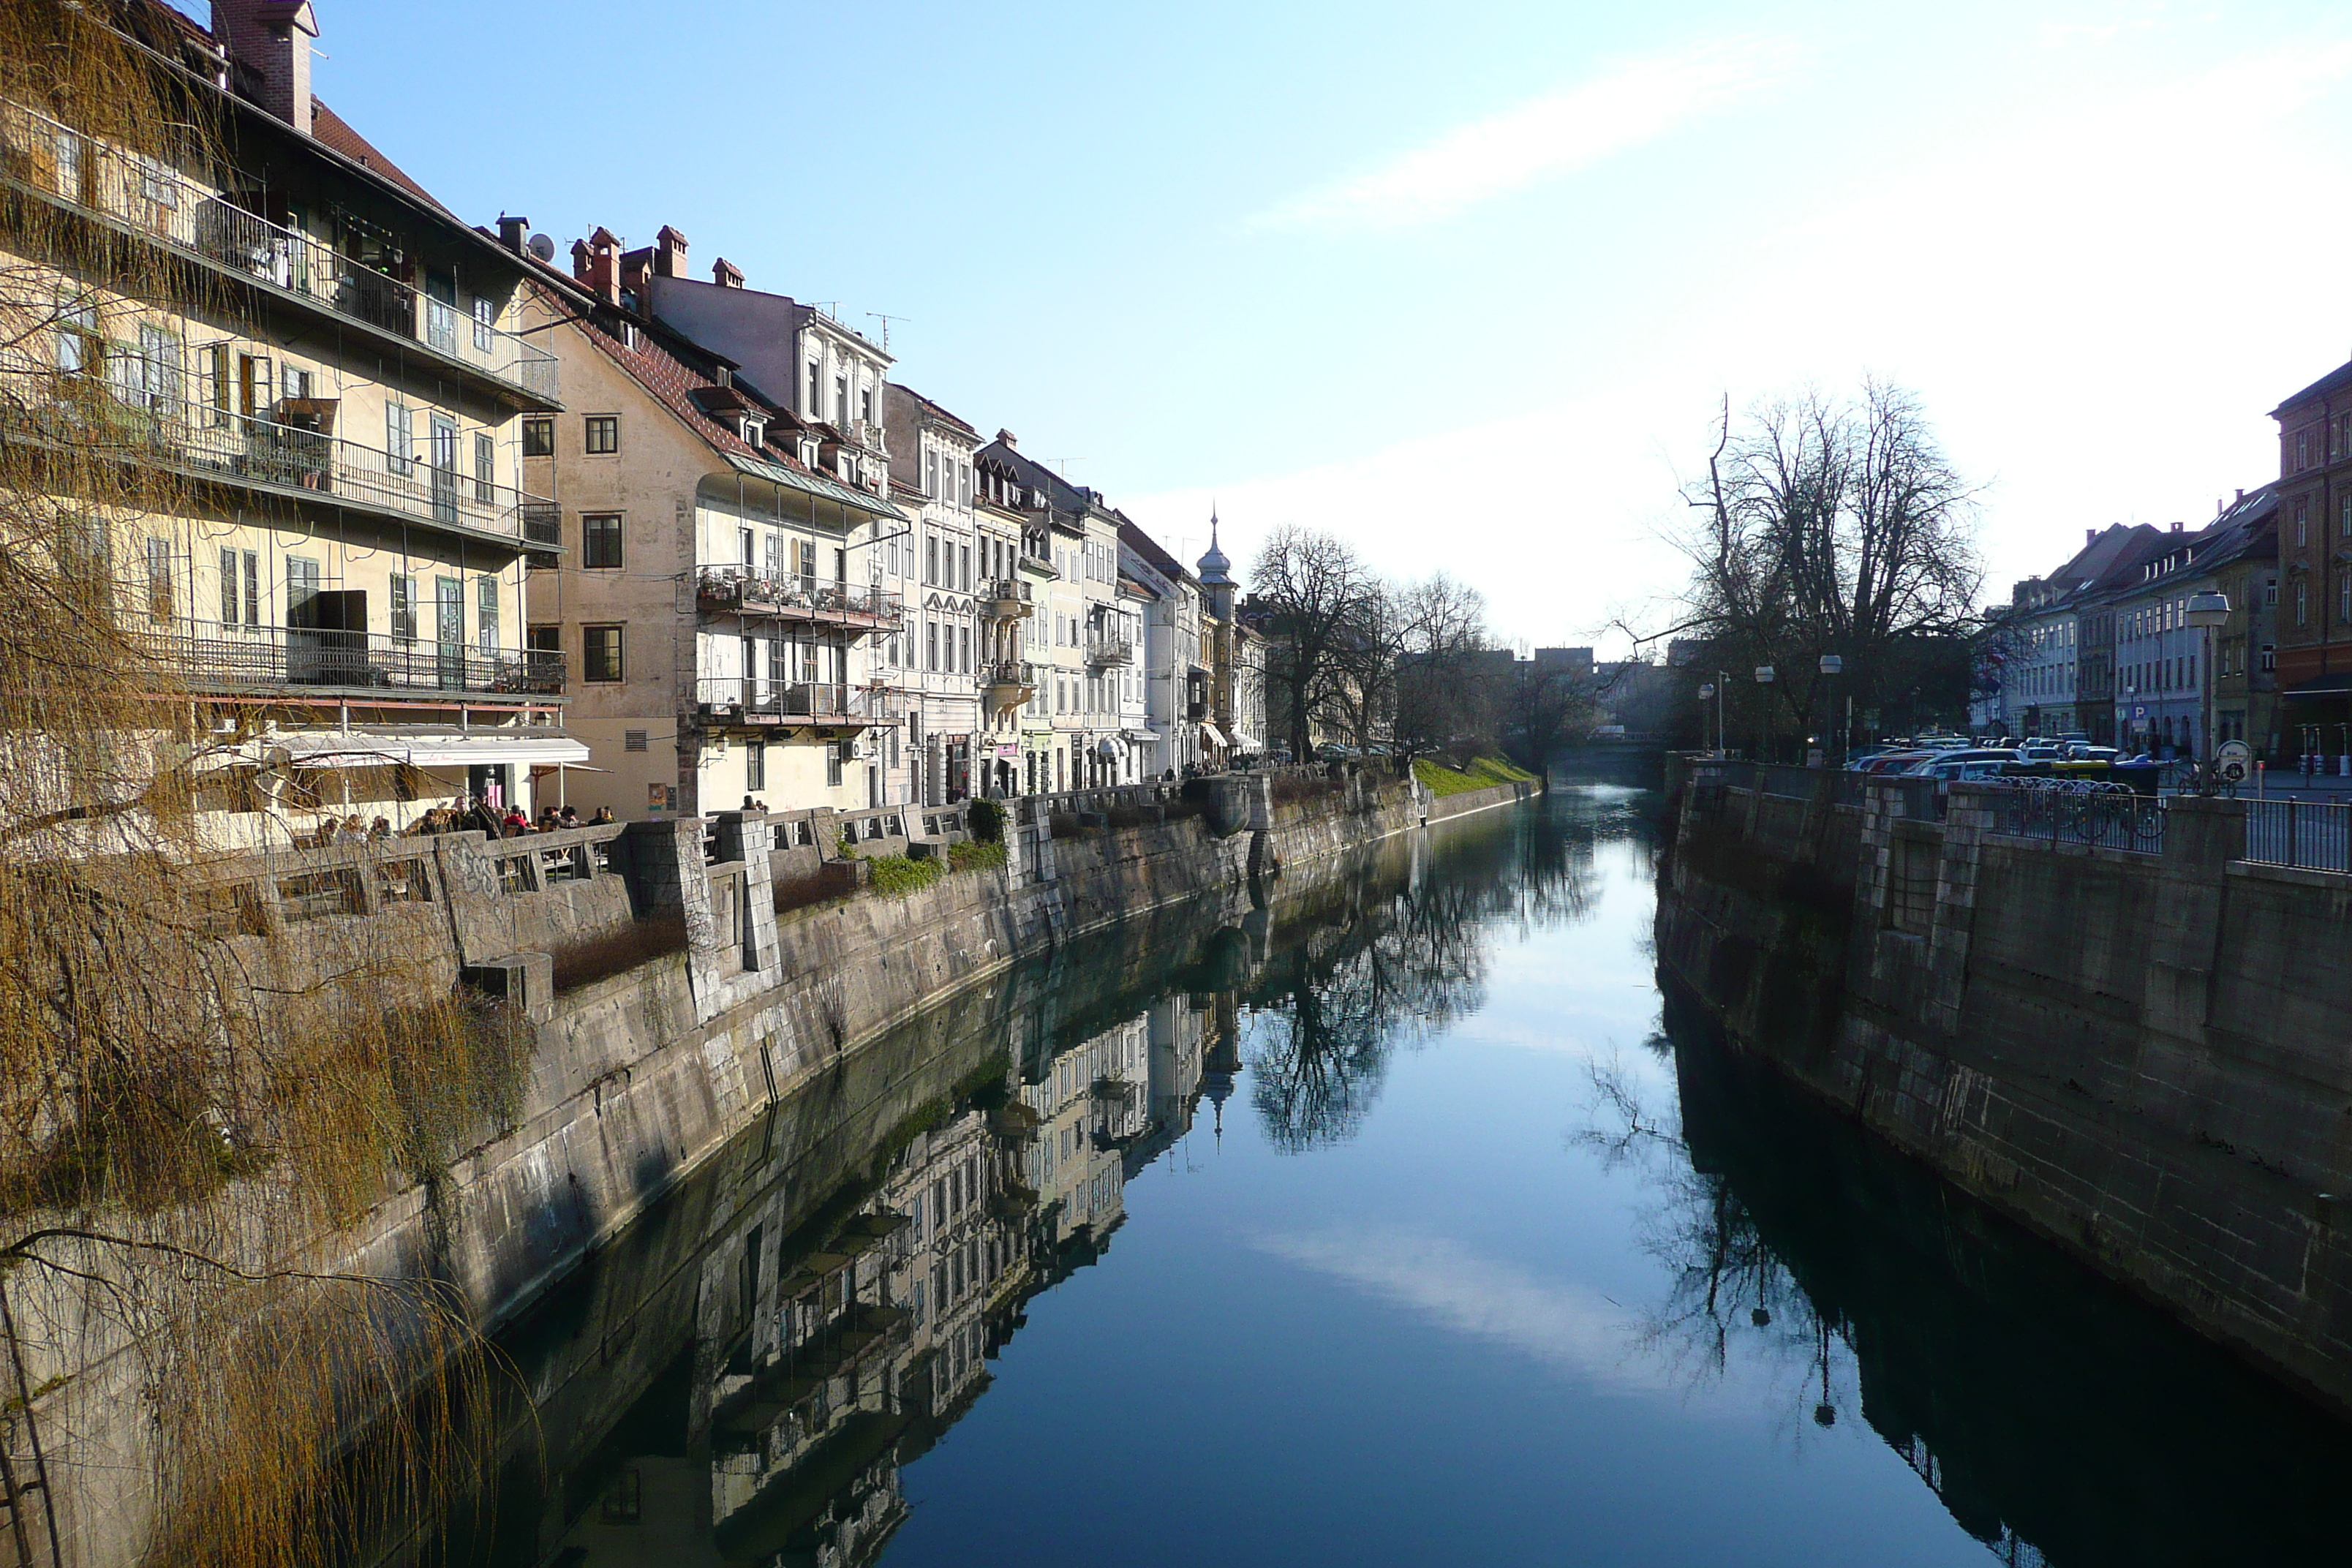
542 247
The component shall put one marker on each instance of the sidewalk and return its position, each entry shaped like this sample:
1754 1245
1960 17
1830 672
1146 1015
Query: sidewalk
2286 784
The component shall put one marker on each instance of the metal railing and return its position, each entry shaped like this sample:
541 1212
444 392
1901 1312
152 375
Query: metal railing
1104 648
752 592
92 415
999 592
149 198
2314 834
2109 816
1011 672
821 703
543 523
275 656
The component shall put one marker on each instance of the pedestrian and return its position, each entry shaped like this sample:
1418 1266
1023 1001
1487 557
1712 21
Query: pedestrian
381 828
604 815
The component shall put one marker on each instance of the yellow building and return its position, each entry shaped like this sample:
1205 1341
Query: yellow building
323 360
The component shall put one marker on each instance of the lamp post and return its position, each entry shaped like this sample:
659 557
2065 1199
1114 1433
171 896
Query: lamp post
1764 679
2206 611
1706 690
1831 666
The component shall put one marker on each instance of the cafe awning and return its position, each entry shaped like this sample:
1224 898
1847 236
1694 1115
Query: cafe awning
1216 737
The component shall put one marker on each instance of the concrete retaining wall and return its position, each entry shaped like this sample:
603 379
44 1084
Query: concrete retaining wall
2144 1055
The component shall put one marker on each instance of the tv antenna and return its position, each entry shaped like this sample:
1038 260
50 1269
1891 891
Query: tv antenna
885 321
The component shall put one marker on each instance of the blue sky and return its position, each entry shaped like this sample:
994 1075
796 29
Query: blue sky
1465 282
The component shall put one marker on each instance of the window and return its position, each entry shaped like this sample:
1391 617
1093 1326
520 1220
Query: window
746 548
240 588
931 558
963 552
865 405
930 472
836 755
485 614
965 633
403 607
755 766
2303 522
539 436
2344 597
2302 605
599 654
483 314
932 636
399 437
2344 516
2270 656
2302 451
78 344
634 740
159 579
603 436
2270 591
544 638
486 467
841 400
600 540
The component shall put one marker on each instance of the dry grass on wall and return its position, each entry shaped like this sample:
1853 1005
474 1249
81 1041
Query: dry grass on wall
183 1137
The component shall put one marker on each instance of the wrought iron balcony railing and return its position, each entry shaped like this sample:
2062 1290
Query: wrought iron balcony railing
210 658
117 414
1010 683
754 699
1005 598
143 196
1105 649
851 607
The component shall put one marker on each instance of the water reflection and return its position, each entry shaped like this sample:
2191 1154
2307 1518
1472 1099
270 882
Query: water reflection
2059 1420
745 1377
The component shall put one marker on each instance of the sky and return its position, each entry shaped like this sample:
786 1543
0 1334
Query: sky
1467 285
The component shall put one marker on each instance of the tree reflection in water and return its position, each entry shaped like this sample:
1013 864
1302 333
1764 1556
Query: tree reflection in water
1371 967
2057 1419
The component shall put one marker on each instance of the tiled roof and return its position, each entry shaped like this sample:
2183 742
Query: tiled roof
334 133
1143 544
672 380
2334 381
936 411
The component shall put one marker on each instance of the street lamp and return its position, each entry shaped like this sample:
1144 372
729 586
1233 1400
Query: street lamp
1764 679
2206 611
1706 690
1831 666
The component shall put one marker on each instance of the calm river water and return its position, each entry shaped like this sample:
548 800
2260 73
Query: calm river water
1403 1222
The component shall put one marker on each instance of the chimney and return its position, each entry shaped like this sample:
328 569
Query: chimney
592 263
2090 537
271 39
669 253
2176 528
1006 437
513 231
636 265
726 274
2242 492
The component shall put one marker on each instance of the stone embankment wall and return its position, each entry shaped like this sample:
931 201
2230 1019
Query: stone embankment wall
2145 1056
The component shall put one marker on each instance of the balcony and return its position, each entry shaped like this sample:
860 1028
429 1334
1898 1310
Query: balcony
275 658
1009 684
1196 711
1007 599
751 701
1103 649
140 198
199 442
841 605
543 524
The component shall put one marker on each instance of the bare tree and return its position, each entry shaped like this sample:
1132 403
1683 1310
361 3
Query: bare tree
1442 689
1829 526
1319 602
1544 707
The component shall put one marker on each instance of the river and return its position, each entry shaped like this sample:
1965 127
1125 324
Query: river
1405 1221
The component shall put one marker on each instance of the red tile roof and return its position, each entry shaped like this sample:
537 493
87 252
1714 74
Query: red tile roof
335 133
936 411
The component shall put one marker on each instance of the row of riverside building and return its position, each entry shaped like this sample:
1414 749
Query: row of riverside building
470 523
2102 647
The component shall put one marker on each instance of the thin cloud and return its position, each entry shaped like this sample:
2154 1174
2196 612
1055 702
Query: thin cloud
1574 128
1566 1327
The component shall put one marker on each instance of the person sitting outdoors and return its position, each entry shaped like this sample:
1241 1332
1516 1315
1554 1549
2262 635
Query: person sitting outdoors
604 815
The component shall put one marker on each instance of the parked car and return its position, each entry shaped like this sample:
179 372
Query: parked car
1926 766
1335 751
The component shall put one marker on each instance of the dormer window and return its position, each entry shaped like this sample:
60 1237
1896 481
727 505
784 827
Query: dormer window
755 431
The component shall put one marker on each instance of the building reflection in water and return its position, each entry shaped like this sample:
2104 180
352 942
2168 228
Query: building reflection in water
741 1378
